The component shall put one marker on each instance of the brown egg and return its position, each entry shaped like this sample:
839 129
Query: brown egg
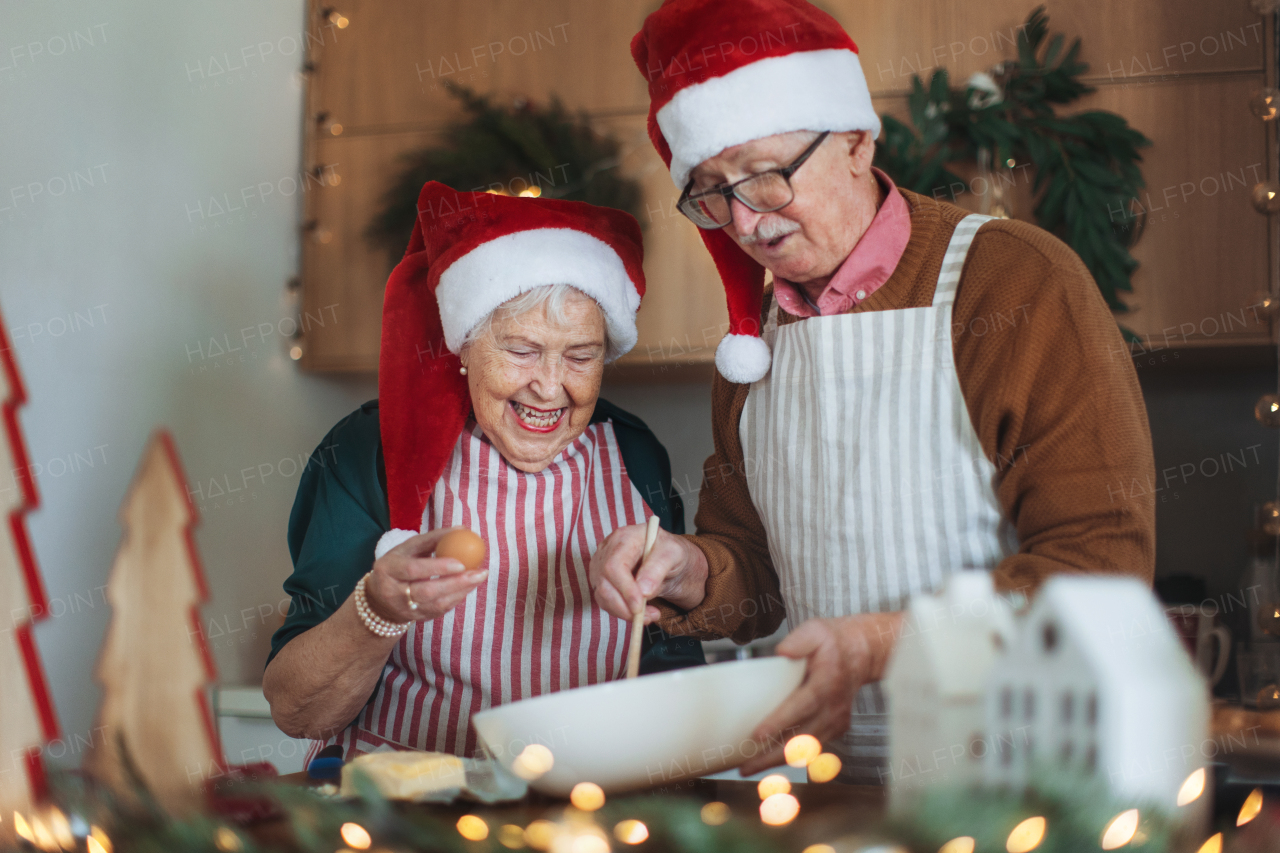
464 546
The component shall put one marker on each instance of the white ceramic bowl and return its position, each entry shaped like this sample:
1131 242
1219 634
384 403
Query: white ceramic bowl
646 731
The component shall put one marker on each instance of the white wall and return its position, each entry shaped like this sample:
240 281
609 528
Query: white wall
153 276
128 109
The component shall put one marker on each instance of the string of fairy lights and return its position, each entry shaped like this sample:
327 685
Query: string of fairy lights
1265 105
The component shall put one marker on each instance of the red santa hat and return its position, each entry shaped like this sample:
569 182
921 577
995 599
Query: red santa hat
469 253
724 73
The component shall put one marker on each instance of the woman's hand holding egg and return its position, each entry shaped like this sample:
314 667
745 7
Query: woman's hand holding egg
439 569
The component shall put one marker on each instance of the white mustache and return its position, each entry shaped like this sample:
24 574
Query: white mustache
769 229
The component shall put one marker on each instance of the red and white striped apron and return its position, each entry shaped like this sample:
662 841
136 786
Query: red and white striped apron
533 627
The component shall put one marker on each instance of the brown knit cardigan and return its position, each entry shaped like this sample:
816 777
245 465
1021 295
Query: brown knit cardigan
1052 394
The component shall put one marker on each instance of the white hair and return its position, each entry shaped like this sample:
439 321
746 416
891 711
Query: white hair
554 296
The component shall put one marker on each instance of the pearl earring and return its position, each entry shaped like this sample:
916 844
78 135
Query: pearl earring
462 370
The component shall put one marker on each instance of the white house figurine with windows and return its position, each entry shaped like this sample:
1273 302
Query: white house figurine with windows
936 680
1091 679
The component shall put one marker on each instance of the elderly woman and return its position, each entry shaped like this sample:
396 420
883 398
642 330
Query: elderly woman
496 328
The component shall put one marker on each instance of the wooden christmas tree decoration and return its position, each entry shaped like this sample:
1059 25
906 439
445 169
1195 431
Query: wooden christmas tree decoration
27 720
155 663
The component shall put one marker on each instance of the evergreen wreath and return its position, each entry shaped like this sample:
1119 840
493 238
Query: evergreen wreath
508 149
1086 165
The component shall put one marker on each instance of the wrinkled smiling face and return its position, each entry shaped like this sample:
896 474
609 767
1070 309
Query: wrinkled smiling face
534 382
812 235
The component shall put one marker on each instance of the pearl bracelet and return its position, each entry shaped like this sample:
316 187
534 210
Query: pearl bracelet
373 621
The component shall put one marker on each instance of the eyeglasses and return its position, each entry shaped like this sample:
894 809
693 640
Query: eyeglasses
763 193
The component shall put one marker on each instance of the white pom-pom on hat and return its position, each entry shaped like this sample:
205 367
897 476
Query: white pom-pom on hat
743 358
391 539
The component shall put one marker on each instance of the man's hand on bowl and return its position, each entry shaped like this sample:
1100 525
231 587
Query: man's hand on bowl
842 655
676 571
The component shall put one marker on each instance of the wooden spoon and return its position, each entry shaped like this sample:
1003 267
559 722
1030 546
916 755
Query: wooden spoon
637 621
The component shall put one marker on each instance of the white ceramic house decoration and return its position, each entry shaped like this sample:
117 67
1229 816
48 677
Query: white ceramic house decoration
1097 681
935 681
1090 679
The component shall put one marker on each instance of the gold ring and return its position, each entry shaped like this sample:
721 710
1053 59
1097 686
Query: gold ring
408 593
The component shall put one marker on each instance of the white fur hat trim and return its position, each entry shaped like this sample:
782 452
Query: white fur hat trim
507 266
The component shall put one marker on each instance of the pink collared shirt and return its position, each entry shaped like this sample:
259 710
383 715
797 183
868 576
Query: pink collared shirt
868 266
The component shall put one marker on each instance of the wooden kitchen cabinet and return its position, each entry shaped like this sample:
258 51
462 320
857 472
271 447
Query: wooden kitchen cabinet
1180 72
1205 251
344 274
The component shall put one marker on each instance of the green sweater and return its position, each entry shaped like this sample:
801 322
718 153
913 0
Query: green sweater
341 511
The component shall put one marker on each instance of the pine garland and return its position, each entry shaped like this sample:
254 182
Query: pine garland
1086 165
511 148
1076 812
315 821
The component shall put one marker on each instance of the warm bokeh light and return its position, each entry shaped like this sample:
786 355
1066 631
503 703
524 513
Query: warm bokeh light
226 840
1192 788
1213 845
335 129
44 838
473 828
631 832
779 809
532 192
801 750
533 761
819 848
714 814
1026 836
356 836
587 796
61 829
539 834
96 834
589 843
93 845
23 829
1252 806
1265 104
511 836
963 844
295 353
1121 829
824 768
774 783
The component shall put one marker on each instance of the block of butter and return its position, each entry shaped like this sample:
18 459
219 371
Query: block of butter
405 775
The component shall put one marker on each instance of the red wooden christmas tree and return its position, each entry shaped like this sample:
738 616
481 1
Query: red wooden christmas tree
155 664
27 720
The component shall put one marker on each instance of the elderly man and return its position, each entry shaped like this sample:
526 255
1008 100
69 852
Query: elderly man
921 391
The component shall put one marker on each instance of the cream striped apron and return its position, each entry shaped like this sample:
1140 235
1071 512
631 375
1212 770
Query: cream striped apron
533 627
867 473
